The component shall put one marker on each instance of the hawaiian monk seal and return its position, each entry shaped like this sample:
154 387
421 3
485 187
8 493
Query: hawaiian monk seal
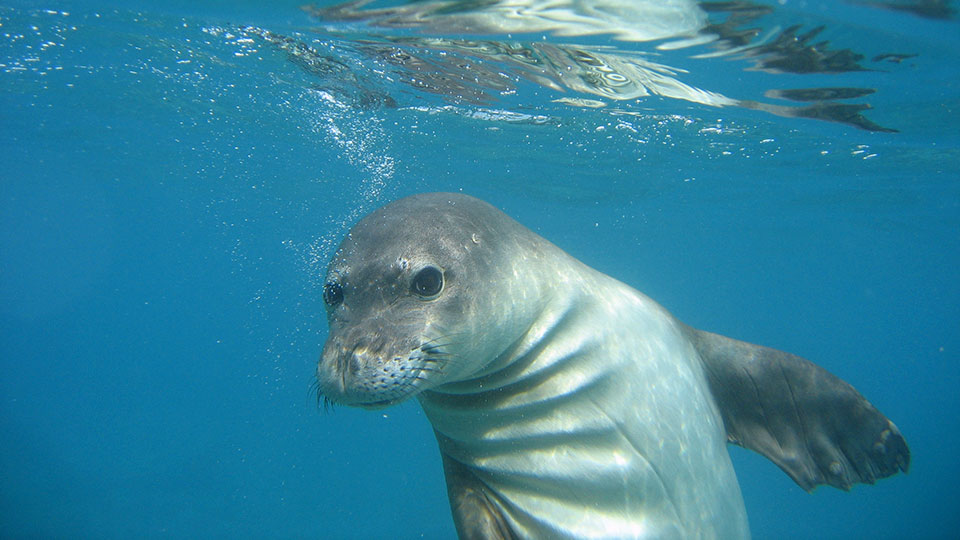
565 403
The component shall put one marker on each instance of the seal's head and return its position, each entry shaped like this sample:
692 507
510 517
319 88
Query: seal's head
415 298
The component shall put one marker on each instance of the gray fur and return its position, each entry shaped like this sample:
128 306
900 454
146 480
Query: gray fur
566 403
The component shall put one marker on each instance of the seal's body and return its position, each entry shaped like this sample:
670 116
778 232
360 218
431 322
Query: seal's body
565 403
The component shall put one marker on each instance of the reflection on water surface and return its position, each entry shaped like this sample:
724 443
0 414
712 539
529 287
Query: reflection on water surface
596 52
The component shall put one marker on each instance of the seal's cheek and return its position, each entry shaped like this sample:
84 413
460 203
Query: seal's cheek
449 310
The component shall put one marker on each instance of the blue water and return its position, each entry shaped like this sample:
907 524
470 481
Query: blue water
172 185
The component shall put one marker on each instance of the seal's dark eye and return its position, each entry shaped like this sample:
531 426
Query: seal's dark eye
428 282
332 294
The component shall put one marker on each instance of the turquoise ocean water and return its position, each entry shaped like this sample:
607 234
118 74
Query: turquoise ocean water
175 176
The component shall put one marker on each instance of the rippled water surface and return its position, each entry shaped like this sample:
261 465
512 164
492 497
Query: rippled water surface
175 178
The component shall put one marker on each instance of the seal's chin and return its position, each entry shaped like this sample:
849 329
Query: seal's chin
376 405
352 397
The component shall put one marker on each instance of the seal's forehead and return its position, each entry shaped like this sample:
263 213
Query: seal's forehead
451 209
431 226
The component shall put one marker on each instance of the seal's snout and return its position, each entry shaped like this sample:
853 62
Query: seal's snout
345 365
369 371
340 366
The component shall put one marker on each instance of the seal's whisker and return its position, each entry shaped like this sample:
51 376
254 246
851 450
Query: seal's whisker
314 390
432 355
438 338
437 344
433 349
431 370
440 341
322 400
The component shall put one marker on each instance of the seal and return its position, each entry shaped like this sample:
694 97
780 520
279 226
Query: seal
565 403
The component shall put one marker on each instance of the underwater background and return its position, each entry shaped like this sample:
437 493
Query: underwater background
175 176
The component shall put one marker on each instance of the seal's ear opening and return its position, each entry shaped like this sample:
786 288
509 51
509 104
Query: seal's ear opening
428 282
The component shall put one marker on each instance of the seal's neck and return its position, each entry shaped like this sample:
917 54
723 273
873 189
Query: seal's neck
537 371
530 336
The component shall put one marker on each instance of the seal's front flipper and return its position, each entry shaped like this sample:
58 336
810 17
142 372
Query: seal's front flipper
474 513
814 426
